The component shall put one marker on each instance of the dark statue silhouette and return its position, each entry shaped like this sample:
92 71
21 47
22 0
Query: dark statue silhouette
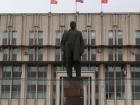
72 46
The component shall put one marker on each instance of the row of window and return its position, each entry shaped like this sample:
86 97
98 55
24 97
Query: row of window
36 81
35 89
114 54
136 82
115 81
14 72
115 37
89 54
36 54
10 38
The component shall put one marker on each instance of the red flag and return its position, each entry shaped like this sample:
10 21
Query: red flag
104 1
54 2
81 1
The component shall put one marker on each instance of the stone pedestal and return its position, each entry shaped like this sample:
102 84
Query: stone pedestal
73 91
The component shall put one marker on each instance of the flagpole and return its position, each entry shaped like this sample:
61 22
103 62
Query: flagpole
50 6
76 6
103 2
101 7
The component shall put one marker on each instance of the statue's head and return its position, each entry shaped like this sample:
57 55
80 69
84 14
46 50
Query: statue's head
73 24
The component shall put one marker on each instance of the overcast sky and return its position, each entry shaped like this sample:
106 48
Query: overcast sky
68 6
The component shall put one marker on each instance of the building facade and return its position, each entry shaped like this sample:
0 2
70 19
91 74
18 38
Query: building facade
31 59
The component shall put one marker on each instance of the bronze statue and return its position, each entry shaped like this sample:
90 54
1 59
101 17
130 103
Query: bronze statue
72 45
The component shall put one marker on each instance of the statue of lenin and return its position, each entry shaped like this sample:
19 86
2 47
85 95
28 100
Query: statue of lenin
72 46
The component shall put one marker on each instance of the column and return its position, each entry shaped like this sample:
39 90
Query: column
0 81
23 85
101 85
49 85
128 87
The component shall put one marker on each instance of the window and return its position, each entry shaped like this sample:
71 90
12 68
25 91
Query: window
40 38
120 83
119 37
85 68
32 77
92 36
16 89
9 37
115 37
5 54
41 89
94 68
31 89
114 82
135 70
137 36
40 54
58 38
89 68
31 38
109 76
119 54
110 54
35 54
115 54
110 38
36 38
85 37
85 55
32 72
14 54
57 54
93 54
5 89
5 38
36 87
14 37
9 53
137 54
11 75
31 54
58 68
42 73
7 72
16 73
13 72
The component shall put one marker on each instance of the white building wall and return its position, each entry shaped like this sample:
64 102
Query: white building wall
49 24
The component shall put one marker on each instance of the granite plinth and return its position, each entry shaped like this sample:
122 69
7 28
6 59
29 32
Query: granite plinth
73 91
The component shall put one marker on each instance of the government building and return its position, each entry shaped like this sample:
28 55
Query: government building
31 65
